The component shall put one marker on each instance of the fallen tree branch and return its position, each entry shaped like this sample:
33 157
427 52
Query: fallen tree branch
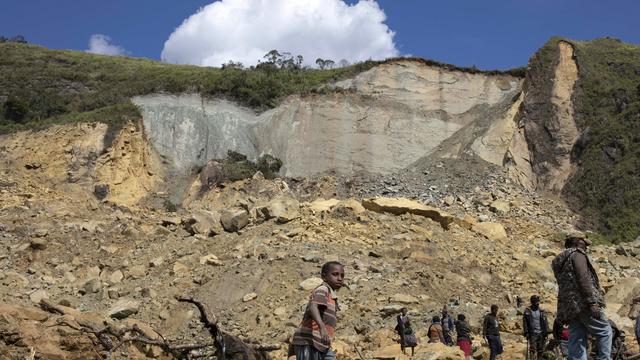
112 337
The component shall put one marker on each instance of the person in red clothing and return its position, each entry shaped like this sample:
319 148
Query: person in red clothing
561 336
464 335
312 339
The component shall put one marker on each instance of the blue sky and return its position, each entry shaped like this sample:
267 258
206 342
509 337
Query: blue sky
490 34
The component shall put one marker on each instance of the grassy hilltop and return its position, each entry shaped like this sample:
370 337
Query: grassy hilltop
49 86
46 86
606 189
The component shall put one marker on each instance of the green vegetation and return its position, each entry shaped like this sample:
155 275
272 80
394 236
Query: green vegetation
39 87
606 189
236 166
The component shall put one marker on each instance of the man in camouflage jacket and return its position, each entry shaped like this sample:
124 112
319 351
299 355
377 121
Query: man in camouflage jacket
581 299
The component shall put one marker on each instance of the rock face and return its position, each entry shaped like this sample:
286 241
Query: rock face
548 119
397 113
399 206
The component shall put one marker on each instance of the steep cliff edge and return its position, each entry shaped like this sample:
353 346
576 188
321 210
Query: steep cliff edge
383 120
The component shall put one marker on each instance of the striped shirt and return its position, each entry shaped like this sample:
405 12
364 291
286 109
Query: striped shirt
308 333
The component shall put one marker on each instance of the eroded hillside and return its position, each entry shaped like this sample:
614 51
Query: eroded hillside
421 178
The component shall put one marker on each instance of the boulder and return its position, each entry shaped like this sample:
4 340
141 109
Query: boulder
322 205
38 295
310 283
391 309
499 206
403 299
351 204
398 206
284 209
124 308
234 219
491 230
203 222
623 291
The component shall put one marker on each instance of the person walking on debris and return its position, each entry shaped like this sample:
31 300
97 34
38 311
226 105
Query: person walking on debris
561 336
536 329
312 339
464 336
447 326
435 331
491 332
581 299
407 336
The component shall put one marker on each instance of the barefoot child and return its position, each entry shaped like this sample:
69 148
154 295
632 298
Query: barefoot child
312 339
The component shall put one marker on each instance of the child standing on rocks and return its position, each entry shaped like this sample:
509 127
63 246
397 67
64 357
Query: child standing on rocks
312 339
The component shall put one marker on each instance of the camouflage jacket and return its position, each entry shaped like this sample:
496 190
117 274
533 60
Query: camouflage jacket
578 284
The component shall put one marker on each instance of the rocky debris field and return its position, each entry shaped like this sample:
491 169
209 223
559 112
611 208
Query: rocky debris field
251 251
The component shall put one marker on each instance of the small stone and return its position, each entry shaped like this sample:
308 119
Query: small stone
156 262
449 200
280 313
312 258
116 277
113 293
41 233
148 293
180 269
38 295
210 260
92 286
250 296
38 244
391 310
137 271
404 299
550 286
499 206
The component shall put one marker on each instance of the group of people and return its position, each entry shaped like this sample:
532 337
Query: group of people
580 315
440 331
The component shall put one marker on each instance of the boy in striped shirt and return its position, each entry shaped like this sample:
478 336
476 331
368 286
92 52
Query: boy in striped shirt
312 339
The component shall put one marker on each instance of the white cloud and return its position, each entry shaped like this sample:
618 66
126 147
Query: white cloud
245 30
101 44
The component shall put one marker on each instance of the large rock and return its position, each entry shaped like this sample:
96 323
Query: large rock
623 291
283 209
234 219
203 222
404 299
310 283
322 205
124 308
490 230
398 206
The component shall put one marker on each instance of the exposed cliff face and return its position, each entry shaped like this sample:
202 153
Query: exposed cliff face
129 167
74 158
391 116
548 114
